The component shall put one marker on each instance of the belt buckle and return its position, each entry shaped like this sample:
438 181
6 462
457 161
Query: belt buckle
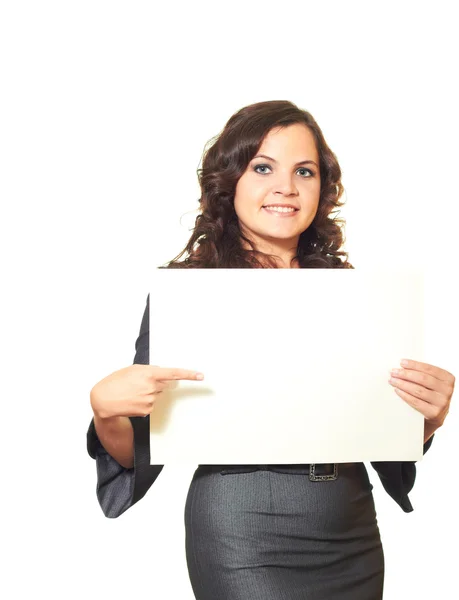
314 477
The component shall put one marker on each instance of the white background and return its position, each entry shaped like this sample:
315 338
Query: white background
105 110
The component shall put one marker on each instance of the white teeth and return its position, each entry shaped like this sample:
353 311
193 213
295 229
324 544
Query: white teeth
280 209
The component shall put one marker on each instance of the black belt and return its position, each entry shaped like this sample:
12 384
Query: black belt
316 471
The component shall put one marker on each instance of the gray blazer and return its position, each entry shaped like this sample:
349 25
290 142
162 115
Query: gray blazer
119 488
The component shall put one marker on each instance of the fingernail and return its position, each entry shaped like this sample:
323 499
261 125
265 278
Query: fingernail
199 376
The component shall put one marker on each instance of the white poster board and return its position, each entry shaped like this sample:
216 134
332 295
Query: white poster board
296 365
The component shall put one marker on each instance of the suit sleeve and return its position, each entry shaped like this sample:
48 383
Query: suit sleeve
398 478
119 488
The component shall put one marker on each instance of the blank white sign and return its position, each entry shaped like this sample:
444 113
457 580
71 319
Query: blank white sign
296 365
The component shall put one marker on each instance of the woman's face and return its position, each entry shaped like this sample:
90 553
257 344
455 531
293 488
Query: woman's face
280 180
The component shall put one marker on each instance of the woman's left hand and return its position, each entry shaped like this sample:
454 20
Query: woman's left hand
426 388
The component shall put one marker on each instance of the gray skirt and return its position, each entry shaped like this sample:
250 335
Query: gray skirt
269 535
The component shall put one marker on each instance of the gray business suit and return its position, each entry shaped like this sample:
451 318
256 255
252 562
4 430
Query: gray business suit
290 520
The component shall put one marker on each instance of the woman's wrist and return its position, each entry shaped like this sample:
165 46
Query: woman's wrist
429 429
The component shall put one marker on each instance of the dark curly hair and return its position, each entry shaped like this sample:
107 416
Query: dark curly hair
216 241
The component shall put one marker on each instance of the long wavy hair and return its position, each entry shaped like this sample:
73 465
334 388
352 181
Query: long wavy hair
217 240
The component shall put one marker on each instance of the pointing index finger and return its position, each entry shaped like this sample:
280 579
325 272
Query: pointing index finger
174 374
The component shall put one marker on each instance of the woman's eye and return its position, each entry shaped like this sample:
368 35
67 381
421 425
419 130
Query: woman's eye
260 167
307 171
310 173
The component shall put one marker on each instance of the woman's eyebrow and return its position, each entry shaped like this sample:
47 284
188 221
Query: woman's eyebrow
302 162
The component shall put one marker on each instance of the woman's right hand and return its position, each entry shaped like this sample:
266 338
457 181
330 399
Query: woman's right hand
132 391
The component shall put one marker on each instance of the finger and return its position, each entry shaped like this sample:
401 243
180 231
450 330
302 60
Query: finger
431 370
430 411
161 386
163 373
422 378
418 391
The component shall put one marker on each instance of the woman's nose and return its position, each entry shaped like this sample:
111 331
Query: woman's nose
285 185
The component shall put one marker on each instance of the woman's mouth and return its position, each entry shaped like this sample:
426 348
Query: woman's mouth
281 211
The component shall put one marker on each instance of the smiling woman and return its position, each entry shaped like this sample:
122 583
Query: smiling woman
274 208
269 154
270 185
